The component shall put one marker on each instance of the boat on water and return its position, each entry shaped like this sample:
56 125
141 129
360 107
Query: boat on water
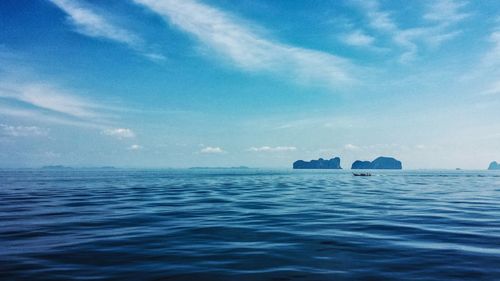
361 174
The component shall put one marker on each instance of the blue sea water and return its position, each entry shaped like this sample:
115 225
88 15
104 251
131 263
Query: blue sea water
249 225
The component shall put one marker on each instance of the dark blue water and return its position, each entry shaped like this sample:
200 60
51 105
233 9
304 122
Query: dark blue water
248 225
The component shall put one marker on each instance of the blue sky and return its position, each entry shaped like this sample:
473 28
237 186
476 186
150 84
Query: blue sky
171 83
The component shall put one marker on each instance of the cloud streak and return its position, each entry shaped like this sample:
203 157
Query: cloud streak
441 15
446 12
492 57
24 96
90 23
272 149
22 131
37 116
45 102
212 150
48 97
119 133
489 65
239 43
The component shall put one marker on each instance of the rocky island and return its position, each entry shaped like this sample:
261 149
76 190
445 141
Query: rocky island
321 163
494 166
379 163
361 165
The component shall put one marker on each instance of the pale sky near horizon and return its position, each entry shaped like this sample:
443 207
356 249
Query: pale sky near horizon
260 83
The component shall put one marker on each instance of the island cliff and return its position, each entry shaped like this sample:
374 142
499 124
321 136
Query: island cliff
379 163
494 166
321 163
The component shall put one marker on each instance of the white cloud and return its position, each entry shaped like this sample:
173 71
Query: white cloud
358 38
135 147
351 147
22 131
272 149
119 133
242 45
212 150
90 23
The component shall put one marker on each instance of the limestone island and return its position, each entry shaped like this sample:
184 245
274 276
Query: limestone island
494 166
321 163
379 163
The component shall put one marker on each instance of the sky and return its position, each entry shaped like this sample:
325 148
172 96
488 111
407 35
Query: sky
260 83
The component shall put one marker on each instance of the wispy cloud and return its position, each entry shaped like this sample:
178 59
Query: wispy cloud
378 19
48 97
493 89
39 116
272 149
489 66
22 131
446 12
212 150
119 133
239 42
46 102
358 38
24 96
441 15
90 23
492 57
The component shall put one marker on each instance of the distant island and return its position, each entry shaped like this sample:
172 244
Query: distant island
494 166
62 167
56 167
379 163
219 168
321 163
334 163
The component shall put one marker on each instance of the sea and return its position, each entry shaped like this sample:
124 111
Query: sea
248 224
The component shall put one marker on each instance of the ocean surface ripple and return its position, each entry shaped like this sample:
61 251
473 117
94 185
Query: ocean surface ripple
249 225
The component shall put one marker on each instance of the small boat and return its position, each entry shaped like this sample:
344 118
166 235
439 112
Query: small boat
361 174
